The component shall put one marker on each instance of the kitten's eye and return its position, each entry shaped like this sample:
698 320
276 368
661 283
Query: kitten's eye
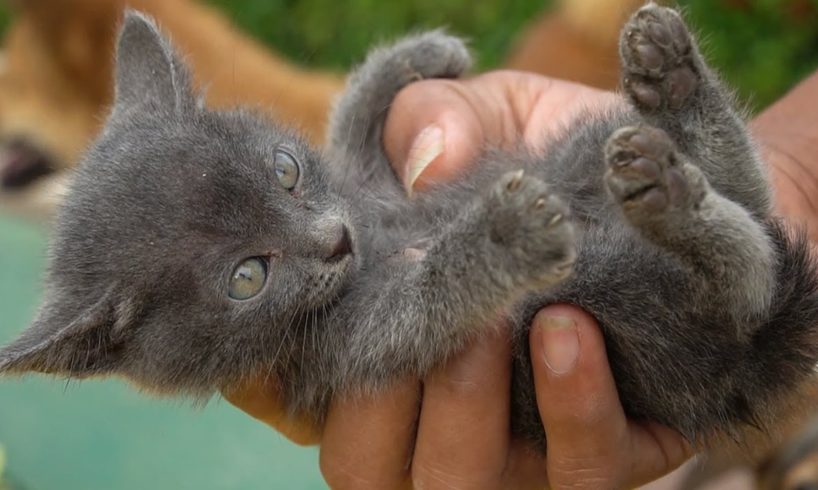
248 279
286 168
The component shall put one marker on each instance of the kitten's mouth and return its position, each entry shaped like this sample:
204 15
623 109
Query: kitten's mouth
328 285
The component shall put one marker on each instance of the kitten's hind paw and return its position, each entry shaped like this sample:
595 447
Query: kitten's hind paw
534 225
647 176
658 60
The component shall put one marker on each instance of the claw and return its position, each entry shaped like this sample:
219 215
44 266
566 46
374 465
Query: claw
516 179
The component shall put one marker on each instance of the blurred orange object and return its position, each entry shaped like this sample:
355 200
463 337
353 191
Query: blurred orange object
576 41
56 82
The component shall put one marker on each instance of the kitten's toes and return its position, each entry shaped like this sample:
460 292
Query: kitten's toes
646 174
534 225
659 68
433 54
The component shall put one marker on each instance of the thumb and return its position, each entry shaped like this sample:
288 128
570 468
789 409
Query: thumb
591 443
432 132
436 128
586 427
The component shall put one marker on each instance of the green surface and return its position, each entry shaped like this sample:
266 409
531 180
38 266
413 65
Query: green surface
103 435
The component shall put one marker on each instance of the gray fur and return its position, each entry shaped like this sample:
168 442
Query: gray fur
655 218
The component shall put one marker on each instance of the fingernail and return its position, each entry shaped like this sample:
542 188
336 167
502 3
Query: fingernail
427 146
560 342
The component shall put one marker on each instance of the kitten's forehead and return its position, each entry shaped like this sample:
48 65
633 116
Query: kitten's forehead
247 145
226 176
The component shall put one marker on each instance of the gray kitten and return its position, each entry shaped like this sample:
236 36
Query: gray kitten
198 248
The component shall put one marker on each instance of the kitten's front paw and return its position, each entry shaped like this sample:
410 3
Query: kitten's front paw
646 174
433 54
534 225
658 59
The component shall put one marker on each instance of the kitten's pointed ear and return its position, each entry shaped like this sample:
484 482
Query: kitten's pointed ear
64 341
148 68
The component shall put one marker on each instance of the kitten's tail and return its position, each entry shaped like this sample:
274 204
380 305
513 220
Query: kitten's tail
784 349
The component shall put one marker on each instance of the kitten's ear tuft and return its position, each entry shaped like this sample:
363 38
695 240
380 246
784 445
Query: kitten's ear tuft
68 343
148 68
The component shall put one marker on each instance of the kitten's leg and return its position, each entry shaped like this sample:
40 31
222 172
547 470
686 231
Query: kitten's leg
359 115
669 83
357 121
515 239
665 195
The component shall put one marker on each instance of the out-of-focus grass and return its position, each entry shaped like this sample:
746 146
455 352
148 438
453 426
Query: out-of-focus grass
762 47
5 17
335 33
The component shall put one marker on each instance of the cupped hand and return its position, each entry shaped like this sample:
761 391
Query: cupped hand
451 430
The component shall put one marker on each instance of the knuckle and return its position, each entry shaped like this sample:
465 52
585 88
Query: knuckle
570 472
427 476
340 475
457 386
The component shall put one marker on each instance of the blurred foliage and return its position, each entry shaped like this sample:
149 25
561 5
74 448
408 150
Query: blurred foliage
762 47
5 17
336 34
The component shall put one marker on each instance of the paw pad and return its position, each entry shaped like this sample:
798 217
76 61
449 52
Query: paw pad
658 59
645 173
530 221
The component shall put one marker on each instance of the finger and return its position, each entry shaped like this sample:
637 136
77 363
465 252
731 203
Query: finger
432 131
258 397
525 468
657 450
463 432
586 427
368 440
552 105
436 128
591 444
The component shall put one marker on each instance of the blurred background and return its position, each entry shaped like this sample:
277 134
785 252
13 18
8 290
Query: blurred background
288 56
761 46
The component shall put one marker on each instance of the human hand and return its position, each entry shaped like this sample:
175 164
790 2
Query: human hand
787 137
258 398
465 403
452 431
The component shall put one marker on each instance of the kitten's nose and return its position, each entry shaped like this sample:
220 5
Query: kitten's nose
342 247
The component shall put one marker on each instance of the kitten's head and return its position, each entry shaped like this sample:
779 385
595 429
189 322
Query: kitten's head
192 242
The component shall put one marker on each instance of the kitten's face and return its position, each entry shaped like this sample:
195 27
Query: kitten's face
193 244
234 237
